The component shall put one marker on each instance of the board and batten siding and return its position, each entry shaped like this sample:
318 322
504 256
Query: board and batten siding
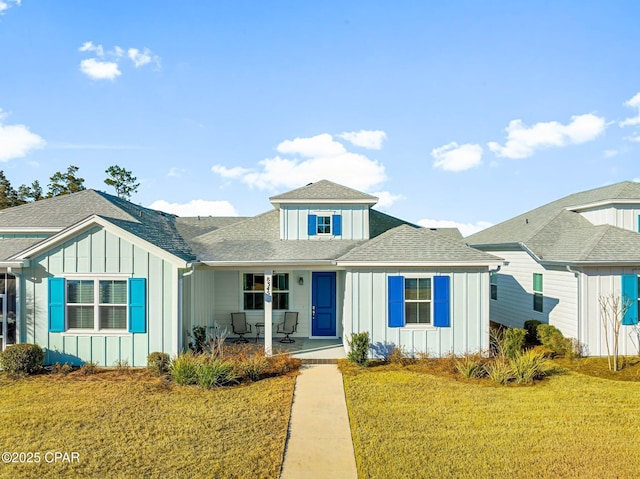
514 305
594 283
622 216
98 251
212 295
294 226
365 309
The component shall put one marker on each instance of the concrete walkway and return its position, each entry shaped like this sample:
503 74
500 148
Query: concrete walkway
319 444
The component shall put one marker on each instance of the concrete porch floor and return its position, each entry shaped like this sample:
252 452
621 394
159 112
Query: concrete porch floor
309 350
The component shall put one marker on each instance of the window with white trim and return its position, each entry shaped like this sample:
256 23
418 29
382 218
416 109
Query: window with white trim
538 296
417 300
253 291
96 304
324 225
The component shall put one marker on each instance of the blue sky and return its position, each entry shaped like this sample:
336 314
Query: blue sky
454 113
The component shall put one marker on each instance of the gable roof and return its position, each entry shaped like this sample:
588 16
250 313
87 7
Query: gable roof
406 244
557 232
190 227
324 191
62 212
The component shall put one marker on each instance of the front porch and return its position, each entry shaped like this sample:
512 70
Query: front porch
307 349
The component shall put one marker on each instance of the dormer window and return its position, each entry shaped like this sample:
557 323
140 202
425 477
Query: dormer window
324 225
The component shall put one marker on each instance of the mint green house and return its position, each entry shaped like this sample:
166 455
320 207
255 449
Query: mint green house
91 277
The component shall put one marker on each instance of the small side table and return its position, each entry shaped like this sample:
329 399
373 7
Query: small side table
259 328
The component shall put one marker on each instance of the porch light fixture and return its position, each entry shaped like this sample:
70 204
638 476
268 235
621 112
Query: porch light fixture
301 281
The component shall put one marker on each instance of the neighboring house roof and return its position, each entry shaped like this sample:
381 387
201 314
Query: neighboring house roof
406 244
324 191
556 232
61 212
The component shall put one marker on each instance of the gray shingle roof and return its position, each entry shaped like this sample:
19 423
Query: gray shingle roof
190 227
11 246
408 244
554 232
323 190
64 211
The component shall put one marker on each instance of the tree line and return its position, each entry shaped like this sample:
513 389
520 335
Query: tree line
64 183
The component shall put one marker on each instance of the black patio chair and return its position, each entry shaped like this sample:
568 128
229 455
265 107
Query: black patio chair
240 327
288 326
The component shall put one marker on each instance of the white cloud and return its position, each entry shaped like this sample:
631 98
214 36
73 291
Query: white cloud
633 103
16 141
635 138
454 157
176 172
370 139
386 199
196 208
99 70
523 141
105 65
465 228
322 158
6 4
611 153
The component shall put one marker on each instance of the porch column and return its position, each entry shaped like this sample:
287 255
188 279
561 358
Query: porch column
268 312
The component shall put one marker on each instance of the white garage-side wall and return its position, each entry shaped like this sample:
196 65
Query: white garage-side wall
596 282
365 309
514 305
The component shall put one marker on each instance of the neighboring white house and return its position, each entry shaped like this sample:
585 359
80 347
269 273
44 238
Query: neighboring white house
92 277
562 257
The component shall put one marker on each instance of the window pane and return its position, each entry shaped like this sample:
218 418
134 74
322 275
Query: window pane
424 313
254 282
281 301
410 288
113 292
253 301
411 313
80 317
80 291
537 282
281 282
113 317
494 291
424 288
537 302
324 224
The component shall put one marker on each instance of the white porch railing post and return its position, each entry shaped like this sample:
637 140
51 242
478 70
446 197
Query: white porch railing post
268 312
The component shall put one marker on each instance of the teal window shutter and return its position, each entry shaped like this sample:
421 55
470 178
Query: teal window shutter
137 305
312 225
57 306
396 301
336 225
630 292
441 301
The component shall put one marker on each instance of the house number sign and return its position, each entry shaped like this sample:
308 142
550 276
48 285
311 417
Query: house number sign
267 289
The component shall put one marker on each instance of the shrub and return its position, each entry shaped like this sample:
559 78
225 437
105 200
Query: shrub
184 369
550 337
499 371
22 359
359 348
158 363
513 342
398 356
89 368
63 369
531 326
199 334
282 363
527 366
253 367
215 373
470 366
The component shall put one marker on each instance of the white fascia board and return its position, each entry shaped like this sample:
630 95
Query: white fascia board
599 204
414 264
311 202
14 264
90 222
273 264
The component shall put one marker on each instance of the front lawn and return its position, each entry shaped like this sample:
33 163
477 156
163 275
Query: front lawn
125 424
409 424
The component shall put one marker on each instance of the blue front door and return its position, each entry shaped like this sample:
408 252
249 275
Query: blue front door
323 305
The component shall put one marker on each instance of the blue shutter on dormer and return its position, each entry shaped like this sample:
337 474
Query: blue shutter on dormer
57 306
137 305
336 225
312 225
630 293
396 301
441 293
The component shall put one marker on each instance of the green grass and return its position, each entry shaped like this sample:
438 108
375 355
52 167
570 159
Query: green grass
408 424
125 424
